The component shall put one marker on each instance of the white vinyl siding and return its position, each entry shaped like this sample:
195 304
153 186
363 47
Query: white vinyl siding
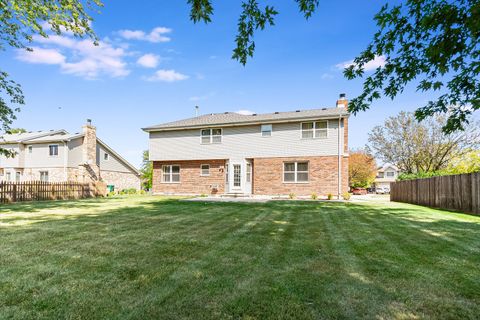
314 130
171 174
295 172
243 142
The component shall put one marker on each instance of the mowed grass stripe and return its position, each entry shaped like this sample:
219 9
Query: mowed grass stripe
151 257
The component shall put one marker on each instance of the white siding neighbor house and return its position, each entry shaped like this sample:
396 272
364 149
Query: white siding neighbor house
57 156
385 175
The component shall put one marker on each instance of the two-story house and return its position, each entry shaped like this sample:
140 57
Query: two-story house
385 175
57 156
300 152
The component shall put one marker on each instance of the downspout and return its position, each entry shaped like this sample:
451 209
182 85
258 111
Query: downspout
65 160
339 157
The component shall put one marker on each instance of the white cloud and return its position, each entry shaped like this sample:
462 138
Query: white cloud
40 55
204 97
149 60
84 58
155 36
245 112
379 61
167 76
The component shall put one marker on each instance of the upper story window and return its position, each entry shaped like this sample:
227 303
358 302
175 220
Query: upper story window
53 150
296 172
211 136
266 130
30 149
317 129
171 174
106 156
390 174
205 170
380 175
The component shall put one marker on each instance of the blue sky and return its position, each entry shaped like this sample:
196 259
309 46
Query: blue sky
154 65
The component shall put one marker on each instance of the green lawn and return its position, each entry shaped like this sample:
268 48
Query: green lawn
149 257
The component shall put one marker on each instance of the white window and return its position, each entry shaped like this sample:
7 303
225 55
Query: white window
295 172
317 129
106 156
211 136
249 172
390 174
30 149
53 150
266 130
44 176
18 176
205 170
171 174
8 176
380 175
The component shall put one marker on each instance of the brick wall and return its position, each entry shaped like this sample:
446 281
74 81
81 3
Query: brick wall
323 171
191 182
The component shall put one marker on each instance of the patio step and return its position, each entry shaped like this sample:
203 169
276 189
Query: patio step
235 195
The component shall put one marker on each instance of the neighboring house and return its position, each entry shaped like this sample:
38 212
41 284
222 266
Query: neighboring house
57 155
386 174
300 152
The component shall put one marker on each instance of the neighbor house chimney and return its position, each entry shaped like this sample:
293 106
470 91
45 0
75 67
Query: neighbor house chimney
342 101
89 152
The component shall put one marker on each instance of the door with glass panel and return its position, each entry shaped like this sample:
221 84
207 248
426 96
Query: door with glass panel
237 176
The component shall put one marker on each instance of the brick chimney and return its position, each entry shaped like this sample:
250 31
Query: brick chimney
89 153
342 101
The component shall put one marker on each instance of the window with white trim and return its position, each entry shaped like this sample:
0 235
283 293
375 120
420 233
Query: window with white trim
171 173
8 176
30 149
317 129
106 156
209 136
266 130
390 174
44 176
205 170
53 150
295 172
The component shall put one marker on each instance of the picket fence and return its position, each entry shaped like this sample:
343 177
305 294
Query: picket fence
39 190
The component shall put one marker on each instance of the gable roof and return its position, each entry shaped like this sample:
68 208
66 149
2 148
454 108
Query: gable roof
234 119
128 164
386 167
26 136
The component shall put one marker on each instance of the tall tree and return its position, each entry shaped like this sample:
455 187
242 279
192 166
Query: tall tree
362 169
147 171
20 20
420 147
434 42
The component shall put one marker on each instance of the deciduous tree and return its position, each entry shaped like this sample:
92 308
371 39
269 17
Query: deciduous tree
420 147
20 20
362 169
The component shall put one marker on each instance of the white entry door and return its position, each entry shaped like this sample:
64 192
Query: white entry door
239 177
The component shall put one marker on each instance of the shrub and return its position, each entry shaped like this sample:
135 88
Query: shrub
204 195
346 196
128 191
314 196
292 195
329 196
111 194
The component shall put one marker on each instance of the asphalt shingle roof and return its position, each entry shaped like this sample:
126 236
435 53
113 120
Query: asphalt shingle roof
232 118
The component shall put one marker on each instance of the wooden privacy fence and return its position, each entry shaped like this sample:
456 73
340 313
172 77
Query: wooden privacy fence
38 190
456 192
